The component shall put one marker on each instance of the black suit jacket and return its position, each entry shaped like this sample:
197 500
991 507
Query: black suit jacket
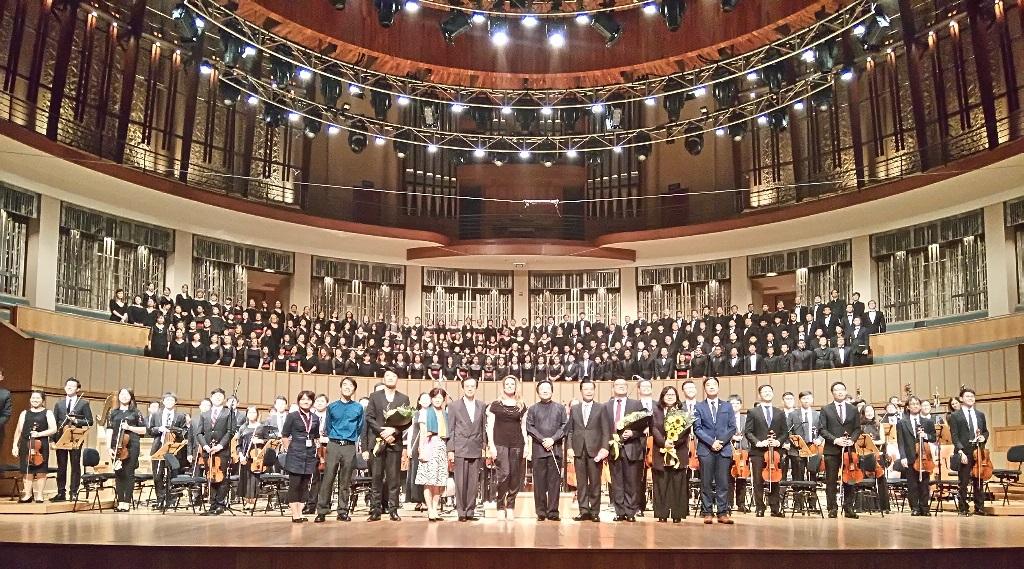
961 433
179 421
586 441
876 326
375 421
633 449
215 433
60 413
759 365
756 428
830 427
907 438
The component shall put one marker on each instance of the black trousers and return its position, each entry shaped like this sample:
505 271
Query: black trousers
341 460
508 476
714 483
626 486
159 478
124 477
756 474
798 468
467 484
738 494
833 463
918 491
298 486
546 481
386 470
63 457
671 493
219 490
313 494
588 485
968 481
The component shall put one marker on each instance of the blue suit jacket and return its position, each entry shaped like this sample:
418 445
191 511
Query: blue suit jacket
708 431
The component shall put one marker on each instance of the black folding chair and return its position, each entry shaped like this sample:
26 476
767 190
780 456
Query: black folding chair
92 482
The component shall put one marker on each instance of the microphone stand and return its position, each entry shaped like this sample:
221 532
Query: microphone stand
232 429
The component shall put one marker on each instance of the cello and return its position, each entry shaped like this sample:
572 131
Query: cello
981 467
772 473
852 473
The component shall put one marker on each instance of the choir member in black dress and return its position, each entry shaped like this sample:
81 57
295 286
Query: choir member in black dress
125 420
506 435
545 424
118 307
34 424
299 434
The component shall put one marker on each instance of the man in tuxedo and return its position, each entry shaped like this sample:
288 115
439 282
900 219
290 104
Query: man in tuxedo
839 424
386 468
842 355
714 425
582 324
801 359
968 428
760 422
72 410
466 443
5 408
664 366
799 310
911 431
588 433
874 319
214 438
860 348
753 362
858 306
626 469
734 365
586 367
161 423
828 320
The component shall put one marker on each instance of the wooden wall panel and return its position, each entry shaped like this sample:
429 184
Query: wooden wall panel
1012 368
934 339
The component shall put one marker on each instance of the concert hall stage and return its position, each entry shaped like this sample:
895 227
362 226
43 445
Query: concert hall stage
107 540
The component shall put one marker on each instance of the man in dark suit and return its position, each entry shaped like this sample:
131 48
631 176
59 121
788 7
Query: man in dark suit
627 467
717 363
588 433
842 355
874 319
801 359
968 428
587 367
6 409
581 325
572 369
386 468
911 431
74 411
753 362
546 427
860 348
800 310
214 438
839 424
466 443
836 303
858 306
160 423
762 421
714 425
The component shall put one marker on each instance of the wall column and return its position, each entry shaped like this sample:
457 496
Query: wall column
740 289
864 272
301 281
521 295
41 266
179 263
1000 263
413 291
628 304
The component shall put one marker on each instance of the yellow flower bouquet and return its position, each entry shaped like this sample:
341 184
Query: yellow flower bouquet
676 423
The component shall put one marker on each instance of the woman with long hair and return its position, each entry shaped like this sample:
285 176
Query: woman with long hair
432 471
506 431
34 424
125 420
670 494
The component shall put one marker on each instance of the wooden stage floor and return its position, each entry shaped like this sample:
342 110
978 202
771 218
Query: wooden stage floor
88 539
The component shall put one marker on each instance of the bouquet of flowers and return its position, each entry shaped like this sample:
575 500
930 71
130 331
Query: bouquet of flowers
398 418
676 423
627 422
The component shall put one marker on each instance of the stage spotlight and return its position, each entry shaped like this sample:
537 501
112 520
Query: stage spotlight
273 115
229 92
613 120
822 100
825 55
881 18
411 6
312 123
772 74
726 92
189 25
556 35
252 100
330 90
608 27
205 67
846 74
403 101
672 12
357 140
281 71
737 126
693 139
231 45
729 5
644 146
478 19
778 120
674 100
650 8
529 21
872 33
456 24
401 143
386 10
482 117
498 30
597 108
583 19
547 153
430 114
381 103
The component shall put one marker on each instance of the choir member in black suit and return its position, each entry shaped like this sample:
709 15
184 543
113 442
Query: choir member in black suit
213 438
858 306
801 359
968 428
823 355
912 431
860 348
588 433
839 424
874 319
762 421
70 411
298 437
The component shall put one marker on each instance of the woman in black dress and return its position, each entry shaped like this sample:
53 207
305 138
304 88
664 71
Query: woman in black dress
159 339
196 350
118 307
34 424
123 420
249 437
178 349
299 433
253 355
506 431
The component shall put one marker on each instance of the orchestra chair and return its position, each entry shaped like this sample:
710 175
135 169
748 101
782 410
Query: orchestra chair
798 496
272 486
141 481
92 482
181 483
944 491
360 484
1008 476
694 498
16 479
866 498
898 493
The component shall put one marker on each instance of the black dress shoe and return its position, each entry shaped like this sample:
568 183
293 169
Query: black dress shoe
619 519
344 517
980 513
555 518
320 518
850 514
462 518
676 520
582 518
309 510
541 518
58 498
211 512
394 516
759 513
630 518
662 520
25 500
373 517
778 515
298 520
833 514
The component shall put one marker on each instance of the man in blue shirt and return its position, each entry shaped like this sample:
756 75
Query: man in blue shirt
344 423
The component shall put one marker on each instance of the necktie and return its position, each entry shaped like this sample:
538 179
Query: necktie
914 422
842 412
70 408
970 422
768 415
714 411
586 414
618 410
167 419
213 417
807 420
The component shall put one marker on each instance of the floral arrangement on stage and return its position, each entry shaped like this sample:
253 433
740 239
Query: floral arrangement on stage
398 418
676 423
627 422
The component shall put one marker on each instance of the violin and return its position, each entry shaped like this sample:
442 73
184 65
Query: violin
214 467
772 457
649 453
35 449
693 461
852 473
321 458
925 462
740 466
982 458
121 442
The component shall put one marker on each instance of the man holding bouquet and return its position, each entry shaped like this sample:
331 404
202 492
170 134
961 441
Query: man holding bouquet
385 420
628 420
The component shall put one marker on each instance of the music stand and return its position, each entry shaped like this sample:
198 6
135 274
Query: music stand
889 433
167 448
72 438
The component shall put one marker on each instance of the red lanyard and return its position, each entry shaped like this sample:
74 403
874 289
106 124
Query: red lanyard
307 423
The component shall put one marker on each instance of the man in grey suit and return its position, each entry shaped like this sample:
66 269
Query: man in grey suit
466 442
589 432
